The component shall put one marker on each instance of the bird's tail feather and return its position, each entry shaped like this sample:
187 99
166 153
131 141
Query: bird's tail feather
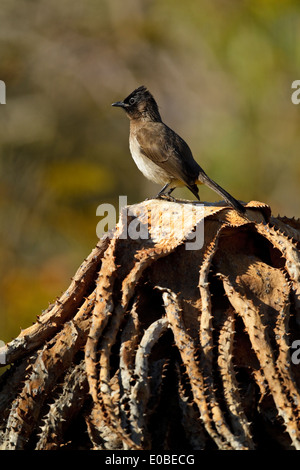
203 178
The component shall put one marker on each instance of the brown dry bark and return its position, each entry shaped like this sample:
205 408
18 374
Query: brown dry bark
156 346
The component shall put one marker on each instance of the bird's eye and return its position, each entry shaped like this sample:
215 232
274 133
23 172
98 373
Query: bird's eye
132 101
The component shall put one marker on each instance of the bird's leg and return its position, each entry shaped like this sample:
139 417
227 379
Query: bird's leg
166 194
162 191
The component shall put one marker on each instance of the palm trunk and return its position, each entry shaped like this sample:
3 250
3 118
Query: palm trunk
165 345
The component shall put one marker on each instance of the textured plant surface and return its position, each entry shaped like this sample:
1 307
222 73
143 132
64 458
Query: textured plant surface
154 346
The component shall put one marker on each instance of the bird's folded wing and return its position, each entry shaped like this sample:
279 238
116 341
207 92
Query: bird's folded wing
165 148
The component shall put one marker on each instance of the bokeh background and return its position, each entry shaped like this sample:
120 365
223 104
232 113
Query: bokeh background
221 71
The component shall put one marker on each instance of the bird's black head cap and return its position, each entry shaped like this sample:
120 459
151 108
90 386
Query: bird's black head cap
140 104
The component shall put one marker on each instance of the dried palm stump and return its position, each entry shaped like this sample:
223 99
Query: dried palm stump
156 346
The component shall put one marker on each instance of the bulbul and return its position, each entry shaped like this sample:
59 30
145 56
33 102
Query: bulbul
161 154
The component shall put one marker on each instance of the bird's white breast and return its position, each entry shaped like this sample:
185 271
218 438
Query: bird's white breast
149 169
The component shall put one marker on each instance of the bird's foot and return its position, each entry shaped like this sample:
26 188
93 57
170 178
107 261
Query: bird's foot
167 197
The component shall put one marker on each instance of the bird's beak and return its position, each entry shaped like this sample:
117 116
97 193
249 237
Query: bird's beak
120 104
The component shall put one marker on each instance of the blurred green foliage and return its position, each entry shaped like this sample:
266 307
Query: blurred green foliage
221 71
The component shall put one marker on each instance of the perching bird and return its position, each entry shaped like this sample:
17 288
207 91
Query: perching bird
161 154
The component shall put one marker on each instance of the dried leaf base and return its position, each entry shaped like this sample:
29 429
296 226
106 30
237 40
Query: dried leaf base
154 346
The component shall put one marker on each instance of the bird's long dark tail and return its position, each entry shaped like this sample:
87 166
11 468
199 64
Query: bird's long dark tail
203 178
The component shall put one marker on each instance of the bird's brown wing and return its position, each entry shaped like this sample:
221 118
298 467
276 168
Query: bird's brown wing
169 151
